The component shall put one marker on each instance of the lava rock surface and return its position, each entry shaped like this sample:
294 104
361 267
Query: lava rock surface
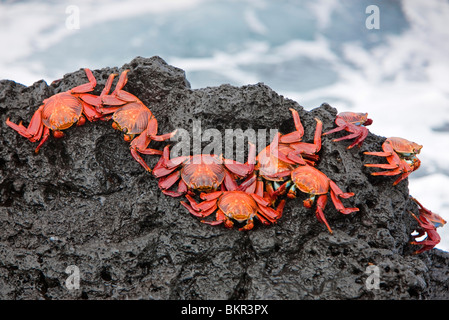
83 201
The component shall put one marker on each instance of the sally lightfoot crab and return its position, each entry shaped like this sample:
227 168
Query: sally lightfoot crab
401 156
60 112
428 224
317 185
353 122
201 172
235 205
133 118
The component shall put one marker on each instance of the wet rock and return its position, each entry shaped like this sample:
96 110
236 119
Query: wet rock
83 201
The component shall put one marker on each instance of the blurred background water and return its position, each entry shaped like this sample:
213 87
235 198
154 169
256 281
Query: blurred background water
311 51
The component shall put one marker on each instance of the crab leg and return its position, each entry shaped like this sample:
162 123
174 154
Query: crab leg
262 219
387 173
229 182
211 195
272 193
339 205
182 189
173 194
426 245
338 191
291 158
297 135
380 153
140 144
362 133
310 148
341 125
220 218
381 166
427 228
241 169
435 219
151 134
122 81
87 86
91 112
349 136
359 132
161 169
248 183
119 97
171 164
97 101
112 98
45 136
203 206
388 151
268 212
271 214
34 130
401 167
319 212
202 209
195 212
248 226
393 173
300 148
167 182
395 163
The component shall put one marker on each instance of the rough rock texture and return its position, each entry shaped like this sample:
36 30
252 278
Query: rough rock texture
84 201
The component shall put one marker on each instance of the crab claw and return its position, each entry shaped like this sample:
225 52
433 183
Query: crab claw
435 219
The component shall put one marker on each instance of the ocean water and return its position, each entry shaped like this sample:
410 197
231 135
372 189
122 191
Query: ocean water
309 51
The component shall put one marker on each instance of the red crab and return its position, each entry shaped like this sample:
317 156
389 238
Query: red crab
278 159
355 124
401 156
202 172
132 117
428 224
315 183
61 111
234 205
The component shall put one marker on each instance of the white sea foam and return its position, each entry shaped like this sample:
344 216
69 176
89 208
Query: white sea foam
33 26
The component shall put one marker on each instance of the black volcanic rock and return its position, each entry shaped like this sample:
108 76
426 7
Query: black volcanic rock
83 201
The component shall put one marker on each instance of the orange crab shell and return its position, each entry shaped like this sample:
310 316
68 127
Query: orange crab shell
404 146
238 205
132 118
310 180
61 111
355 118
204 173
